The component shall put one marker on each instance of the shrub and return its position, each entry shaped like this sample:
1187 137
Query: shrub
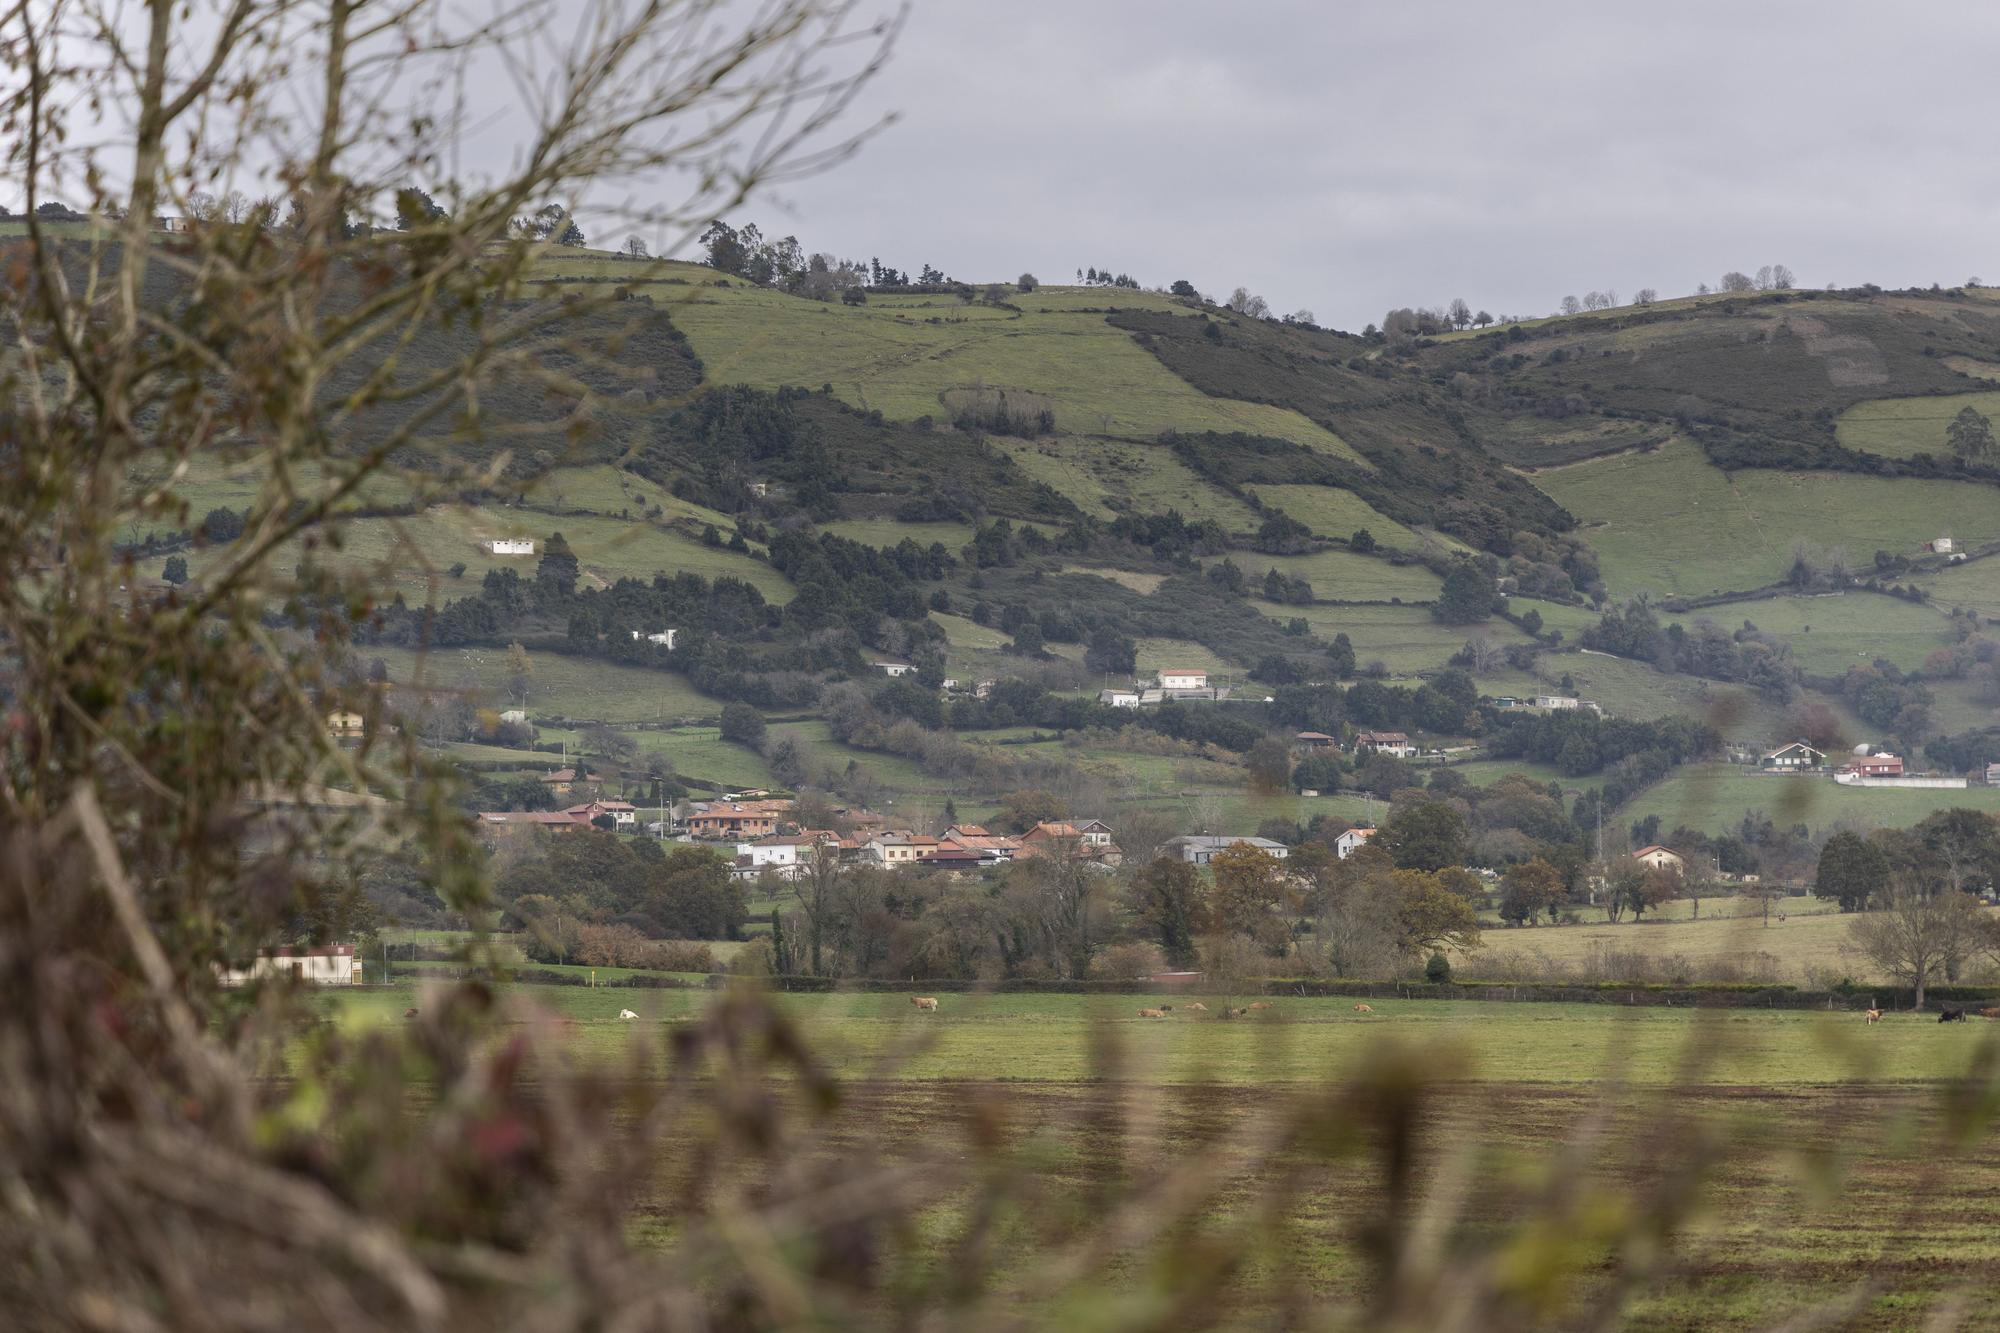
1128 962
1437 971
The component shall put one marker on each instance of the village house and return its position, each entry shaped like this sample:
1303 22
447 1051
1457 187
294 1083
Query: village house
664 638
1393 743
952 857
326 965
1119 698
1941 546
892 668
1874 766
344 724
510 546
515 717
1312 740
1352 841
1993 775
623 813
1090 841
555 821
737 820
1797 755
1558 703
1656 857
1200 848
562 780
899 849
786 855
1182 678
976 838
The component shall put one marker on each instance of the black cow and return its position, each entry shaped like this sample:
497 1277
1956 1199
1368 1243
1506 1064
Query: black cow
1947 1014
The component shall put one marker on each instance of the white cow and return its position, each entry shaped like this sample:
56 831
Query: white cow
626 1013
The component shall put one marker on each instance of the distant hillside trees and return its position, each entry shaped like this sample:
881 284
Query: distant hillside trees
1737 282
1182 287
1027 282
1244 302
1468 594
1971 436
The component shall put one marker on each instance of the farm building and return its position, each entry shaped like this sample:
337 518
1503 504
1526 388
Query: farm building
1657 857
329 965
1874 766
890 667
345 724
1119 698
1182 678
510 546
664 638
1200 848
1312 740
1384 742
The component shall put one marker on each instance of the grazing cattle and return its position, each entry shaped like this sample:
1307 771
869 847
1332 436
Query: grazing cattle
1261 1004
925 1003
626 1014
1197 1008
1989 1013
1166 1009
1950 1015
1235 1013
1874 1016
409 1013
1364 1008
1152 1013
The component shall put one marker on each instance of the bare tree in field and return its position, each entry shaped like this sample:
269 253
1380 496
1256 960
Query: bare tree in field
1921 932
165 759
1571 306
1459 313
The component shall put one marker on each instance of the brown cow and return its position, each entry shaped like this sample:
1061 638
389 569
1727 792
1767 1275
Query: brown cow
1197 1008
1364 1008
925 1003
1874 1016
409 1013
1261 1004
1152 1013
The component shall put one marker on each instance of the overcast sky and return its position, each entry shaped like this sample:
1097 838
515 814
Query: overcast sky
1348 158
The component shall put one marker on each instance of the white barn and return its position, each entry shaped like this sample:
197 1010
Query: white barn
327 965
511 546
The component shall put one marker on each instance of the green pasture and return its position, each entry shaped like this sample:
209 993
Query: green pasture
1571 620
1156 655
1486 772
899 355
1902 427
1406 639
1670 522
1342 576
1715 797
1971 586
1048 1038
577 687
1110 476
1624 688
1332 512
606 490
1730 936
888 532
1829 634
414 554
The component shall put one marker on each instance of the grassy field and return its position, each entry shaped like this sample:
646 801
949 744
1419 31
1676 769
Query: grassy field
1342 576
414 555
1715 797
1671 522
1155 655
899 355
887 532
1901 427
1624 688
1332 512
1809 942
1105 476
569 686
1832 633
1972 586
1404 638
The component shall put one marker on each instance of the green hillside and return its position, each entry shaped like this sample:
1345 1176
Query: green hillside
917 473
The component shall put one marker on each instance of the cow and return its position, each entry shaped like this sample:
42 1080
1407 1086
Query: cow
1364 1008
926 1004
1152 1013
409 1013
1197 1008
626 1015
1235 1013
1989 1013
1947 1014
1874 1016
1261 1004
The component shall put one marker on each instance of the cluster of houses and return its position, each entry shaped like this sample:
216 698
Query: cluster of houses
960 847
1547 703
1865 767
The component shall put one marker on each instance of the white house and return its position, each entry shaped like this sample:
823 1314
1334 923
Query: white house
1557 702
889 667
665 638
1181 678
517 716
1200 848
784 855
510 546
899 849
1797 755
1657 857
1352 841
1943 546
329 965
1393 743
1119 698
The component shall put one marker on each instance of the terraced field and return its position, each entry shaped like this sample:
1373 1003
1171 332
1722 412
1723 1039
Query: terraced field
1902 427
1715 797
1342 576
1829 634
